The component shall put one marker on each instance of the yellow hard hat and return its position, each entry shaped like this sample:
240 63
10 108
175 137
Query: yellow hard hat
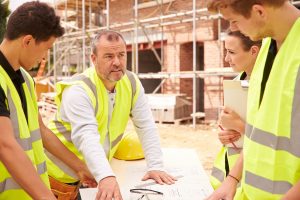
130 147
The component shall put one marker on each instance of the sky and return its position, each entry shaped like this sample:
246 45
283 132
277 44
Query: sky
13 4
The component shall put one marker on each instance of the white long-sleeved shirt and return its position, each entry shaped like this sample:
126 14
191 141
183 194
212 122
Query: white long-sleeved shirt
76 108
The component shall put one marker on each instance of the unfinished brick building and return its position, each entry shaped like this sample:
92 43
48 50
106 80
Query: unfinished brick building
162 32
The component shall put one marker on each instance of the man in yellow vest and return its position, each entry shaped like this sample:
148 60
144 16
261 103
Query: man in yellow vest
31 30
270 165
93 111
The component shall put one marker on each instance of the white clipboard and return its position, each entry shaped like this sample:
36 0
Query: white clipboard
235 97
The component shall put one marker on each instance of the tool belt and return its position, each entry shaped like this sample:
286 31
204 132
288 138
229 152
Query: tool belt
64 191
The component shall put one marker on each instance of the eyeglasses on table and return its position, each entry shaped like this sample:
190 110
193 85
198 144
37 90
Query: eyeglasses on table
146 194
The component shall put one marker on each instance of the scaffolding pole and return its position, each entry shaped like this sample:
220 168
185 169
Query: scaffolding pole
150 42
220 57
54 57
162 36
152 19
223 72
77 22
134 26
107 14
194 64
136 62
83 34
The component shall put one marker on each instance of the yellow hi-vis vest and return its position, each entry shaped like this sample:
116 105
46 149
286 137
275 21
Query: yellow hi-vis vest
272 142
218 173
27 134
127 91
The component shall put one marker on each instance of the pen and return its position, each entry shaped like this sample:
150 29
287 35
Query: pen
231 142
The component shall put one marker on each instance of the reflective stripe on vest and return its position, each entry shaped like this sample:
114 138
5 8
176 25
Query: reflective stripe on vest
290 145
117 140
89 83
133 85
218 174
62 129
273 187
233 151
25 143
10 184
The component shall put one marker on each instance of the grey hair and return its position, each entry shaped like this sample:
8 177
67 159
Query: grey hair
110 36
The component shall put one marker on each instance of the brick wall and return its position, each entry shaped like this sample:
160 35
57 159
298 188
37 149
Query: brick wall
171 64
213 57
186 64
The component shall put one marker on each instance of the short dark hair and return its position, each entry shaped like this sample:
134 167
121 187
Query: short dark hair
247 43
34 18
110 36
242 7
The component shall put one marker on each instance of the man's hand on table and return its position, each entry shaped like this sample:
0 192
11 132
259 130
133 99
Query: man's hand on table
160 177
108 189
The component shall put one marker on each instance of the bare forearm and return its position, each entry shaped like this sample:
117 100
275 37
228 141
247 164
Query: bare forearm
56 147
11 154
227 189
18 164
293 193
236 171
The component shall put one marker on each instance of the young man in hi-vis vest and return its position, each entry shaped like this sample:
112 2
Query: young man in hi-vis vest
31 30
270 164
94 108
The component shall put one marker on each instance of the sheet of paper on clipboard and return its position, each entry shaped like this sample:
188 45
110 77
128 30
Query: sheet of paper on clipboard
235 97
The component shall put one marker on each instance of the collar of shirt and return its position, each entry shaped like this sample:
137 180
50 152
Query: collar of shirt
15 76
243 76
111 92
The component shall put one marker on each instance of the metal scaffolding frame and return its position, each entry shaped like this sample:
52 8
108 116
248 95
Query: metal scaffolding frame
77 36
